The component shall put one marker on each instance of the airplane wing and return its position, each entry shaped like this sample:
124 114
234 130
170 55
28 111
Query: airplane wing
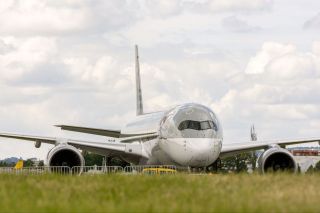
229 149
48 140
92 146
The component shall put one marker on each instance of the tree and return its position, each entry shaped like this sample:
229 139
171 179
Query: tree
28 163
313 169
317 167
238 163
116 161
310 170
41 163
3 164
94 159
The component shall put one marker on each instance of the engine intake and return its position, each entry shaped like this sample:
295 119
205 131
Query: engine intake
65 155
277 159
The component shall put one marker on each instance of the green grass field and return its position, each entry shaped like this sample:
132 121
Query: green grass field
169 193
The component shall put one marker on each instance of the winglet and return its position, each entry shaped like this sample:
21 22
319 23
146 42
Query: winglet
138 84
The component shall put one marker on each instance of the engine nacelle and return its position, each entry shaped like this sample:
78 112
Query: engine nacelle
65 155
277 159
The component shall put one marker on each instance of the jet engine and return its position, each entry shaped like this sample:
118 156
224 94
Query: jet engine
277 159
65 155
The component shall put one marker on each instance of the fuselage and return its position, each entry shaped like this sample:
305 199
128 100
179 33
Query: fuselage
187 135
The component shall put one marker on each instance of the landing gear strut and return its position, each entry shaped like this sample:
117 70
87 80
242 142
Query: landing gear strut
106 161
214 167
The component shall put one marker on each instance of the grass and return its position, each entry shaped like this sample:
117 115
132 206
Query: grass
170 193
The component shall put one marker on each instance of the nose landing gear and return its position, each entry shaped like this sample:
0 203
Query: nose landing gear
212 168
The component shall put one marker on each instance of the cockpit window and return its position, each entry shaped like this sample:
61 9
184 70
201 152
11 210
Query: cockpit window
197 125
205 125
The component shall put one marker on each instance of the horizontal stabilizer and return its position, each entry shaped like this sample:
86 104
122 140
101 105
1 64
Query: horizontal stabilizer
93 131
106 132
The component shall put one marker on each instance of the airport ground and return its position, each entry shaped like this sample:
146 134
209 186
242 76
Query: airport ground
165 193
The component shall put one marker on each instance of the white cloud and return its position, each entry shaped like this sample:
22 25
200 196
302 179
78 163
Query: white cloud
293 67
279 87
313 23
162 8
316 47
234 24
49 17
32 17
284 62
269 52
245 5
23 55
172 7
151 31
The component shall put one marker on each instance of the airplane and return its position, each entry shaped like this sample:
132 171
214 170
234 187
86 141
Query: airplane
186 135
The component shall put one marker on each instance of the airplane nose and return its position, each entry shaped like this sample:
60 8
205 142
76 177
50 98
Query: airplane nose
195 152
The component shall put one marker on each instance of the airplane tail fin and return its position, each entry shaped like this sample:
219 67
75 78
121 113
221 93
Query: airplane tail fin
19 165
138 84
253 134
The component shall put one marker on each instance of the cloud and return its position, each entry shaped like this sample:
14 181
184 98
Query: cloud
215 6
284 62
241 5
270 51
234 24
316 48
313 23
23 55
90 17
44 17
278 89
173 7
56 18
162 8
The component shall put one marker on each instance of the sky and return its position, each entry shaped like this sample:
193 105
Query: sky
72 62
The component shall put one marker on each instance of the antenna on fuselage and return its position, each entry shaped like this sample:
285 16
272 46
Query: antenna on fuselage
138 84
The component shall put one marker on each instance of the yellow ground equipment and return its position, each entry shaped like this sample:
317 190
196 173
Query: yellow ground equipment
19 165
158 171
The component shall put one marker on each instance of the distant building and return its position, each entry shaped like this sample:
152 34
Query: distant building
306 156
305 151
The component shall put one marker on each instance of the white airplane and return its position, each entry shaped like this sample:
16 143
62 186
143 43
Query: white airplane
185 135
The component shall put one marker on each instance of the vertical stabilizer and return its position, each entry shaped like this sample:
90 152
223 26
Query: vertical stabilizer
253 134
138 84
